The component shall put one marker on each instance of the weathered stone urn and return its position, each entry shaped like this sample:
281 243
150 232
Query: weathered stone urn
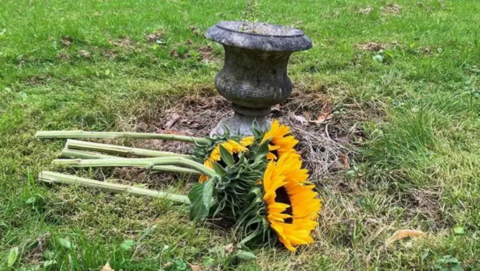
254 75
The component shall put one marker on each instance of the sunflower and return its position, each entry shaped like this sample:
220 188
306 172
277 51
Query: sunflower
231 146
292 206
281 141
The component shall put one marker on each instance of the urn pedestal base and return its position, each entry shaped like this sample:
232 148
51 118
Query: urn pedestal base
239 124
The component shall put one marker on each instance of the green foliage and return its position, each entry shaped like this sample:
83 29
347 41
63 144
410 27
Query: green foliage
13 256
229 190
236 193
201 196
201 151
252 227
448 263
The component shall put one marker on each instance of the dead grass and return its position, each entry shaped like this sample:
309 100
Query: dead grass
324 144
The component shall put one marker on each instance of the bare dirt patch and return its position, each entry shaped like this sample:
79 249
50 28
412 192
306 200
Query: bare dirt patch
125 42
153 37
205 52
392 8
366 10
84 54
428 203
67 41
63 56
371 46
109 53
311 116
180 54
34 249
194 30
40 79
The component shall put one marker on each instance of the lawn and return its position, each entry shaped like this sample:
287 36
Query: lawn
97 65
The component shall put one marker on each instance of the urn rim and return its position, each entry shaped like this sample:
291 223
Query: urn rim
259 36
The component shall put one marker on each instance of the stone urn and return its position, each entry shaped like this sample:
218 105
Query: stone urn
254 75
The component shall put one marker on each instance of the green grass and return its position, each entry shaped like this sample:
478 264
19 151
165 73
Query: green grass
417 167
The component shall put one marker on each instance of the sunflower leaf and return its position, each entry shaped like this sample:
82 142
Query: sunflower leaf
262 151
256 132
200 197
226 156
245 255
219 169
208 192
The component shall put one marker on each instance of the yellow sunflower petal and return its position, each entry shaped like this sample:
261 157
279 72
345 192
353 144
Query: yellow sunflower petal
202 177
247 141
294 225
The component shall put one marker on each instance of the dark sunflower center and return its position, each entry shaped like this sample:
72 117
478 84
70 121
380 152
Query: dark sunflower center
275 152
282 196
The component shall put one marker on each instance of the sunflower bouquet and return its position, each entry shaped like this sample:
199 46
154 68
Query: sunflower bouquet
256 183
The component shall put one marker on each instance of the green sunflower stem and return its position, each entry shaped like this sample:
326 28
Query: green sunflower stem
68 153
55 177
91 155
114 149
136 162
83 134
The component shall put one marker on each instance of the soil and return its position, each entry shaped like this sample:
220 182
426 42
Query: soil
323 141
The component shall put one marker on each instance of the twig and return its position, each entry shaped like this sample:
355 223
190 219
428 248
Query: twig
82 134
92 146
54 177
326 132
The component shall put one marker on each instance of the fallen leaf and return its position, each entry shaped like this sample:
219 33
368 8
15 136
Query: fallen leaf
107 267
276 108
229 248
300 119
401 234
326 114
344 160
173 118
194 267
167 265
